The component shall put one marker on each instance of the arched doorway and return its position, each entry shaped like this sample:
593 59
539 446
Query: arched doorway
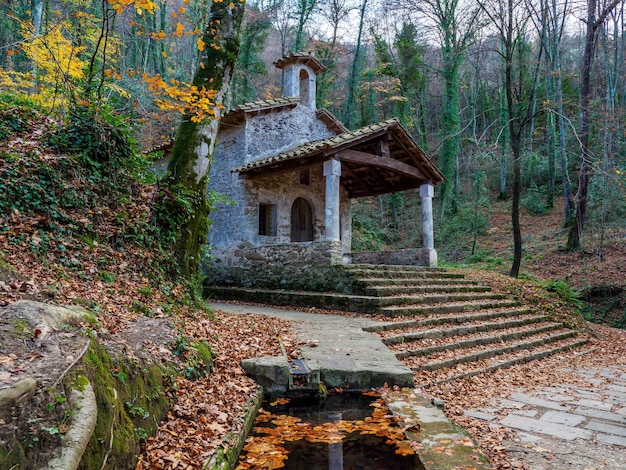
301 221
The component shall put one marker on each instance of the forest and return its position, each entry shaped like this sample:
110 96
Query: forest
515 100
519 103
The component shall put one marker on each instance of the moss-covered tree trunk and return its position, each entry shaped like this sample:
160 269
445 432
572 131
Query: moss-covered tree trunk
183 214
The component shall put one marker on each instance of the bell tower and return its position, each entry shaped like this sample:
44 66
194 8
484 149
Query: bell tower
300 77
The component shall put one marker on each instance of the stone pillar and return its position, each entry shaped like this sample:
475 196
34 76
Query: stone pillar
332 172
427 191
291 83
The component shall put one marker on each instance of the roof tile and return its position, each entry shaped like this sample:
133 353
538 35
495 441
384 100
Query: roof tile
315 146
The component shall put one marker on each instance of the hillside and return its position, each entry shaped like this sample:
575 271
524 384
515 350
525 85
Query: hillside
78 233
600 282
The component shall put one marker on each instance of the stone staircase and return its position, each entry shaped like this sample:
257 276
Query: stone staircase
442 325
451 327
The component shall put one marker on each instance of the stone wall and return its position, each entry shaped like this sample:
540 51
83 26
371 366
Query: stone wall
262 135
409 257
272 133
315 266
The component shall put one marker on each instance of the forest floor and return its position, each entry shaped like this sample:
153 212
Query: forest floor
597 273
106 271
544 239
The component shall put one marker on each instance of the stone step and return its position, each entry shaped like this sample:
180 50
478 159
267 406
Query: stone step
416 364
420 281
437 319
323 300
499 362
445 331
393 268
414 310
507 334
364 273
415 300
380 291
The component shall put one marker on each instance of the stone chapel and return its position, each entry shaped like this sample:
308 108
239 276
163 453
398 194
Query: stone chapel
290 172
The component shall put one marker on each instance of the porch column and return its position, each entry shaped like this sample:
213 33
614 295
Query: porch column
332 172
427 191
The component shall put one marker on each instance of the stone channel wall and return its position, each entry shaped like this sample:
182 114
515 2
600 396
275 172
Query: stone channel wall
315 266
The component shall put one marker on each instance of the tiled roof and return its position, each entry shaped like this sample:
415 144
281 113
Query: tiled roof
318 146
236 115
262 104
303 57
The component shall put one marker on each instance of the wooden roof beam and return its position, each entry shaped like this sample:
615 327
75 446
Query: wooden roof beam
397 166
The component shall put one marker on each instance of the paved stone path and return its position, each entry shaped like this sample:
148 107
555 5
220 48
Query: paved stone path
338 346
581 427
567 426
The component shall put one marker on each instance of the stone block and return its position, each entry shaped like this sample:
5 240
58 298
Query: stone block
558 417
557 397
611 439
272 373
617 388
598 405
504 403
606 428
598 414
560 431
539 402
527 413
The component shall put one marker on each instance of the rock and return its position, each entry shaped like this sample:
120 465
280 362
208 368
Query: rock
17 392
272 373
439 403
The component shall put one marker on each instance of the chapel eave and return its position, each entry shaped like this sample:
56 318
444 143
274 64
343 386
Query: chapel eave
376 159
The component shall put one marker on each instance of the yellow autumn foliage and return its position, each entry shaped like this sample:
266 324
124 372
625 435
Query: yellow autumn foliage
182 97
54 54
140 5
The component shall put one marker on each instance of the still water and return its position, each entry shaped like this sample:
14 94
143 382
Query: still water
348 431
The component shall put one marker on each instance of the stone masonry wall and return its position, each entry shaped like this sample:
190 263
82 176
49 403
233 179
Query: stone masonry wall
315 266
408 257
261 136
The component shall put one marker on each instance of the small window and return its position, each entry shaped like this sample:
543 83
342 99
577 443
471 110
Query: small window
267 219
305 176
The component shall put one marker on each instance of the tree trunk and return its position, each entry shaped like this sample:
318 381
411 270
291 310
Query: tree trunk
450 118
353 80
556 27
183 211
574 241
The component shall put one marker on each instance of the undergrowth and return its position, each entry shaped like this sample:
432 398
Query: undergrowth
73 187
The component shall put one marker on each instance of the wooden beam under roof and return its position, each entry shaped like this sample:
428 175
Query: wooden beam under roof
354 156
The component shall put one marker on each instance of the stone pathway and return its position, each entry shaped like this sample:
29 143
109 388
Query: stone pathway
566 426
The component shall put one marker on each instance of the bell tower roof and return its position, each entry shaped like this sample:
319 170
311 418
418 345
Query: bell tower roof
303 58
300 71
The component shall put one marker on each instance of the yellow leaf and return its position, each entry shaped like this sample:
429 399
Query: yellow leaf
200 44
179 29
164 54
231 5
